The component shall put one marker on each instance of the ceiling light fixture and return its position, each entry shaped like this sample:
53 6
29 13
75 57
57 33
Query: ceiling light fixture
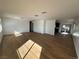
44 12
36 15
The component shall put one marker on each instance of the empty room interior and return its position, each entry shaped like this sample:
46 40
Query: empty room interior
39 29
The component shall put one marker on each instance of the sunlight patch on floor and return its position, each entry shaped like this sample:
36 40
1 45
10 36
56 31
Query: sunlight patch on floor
17 33
29 50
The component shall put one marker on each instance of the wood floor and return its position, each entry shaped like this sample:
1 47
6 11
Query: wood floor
53 47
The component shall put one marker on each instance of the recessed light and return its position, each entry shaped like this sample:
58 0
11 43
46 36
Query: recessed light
36 15
44 12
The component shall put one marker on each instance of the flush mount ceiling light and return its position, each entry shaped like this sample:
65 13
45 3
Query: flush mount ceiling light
36 15
44 12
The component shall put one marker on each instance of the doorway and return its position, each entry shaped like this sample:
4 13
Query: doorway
31 26
65 29
57 26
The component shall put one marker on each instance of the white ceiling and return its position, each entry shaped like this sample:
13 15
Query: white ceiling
56 9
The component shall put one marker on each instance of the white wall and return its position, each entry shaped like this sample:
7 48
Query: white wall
76 43
76 38
50 27
10 25
38 26
0 31
44 26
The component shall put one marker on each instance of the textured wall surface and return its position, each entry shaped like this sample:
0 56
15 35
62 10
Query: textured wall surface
11 25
